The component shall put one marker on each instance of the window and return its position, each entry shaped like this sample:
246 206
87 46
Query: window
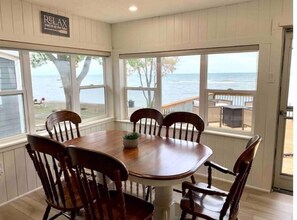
53 81
180 82
231 85
141 83
56 86
219 85
90 80
12 120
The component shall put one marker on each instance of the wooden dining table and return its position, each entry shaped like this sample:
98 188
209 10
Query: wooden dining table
157 161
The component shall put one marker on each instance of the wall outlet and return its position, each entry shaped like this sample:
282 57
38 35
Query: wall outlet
1 168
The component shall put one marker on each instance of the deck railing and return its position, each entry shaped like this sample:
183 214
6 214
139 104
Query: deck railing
181 105
237 98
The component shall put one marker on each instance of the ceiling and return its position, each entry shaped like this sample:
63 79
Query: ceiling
114 11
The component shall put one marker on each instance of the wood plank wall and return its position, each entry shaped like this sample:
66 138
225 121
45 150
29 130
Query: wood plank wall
19 175
258 22
20 22
239 24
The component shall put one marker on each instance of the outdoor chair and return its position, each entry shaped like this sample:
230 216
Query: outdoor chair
60 194
248 103
247 117
101 199
63 125
184 126
247 114
215 111
208 202
148 120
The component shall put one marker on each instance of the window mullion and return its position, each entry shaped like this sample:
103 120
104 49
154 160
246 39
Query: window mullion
203 100
75 103
28 93
158 95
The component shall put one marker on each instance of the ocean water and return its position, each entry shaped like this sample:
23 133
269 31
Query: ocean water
182 86
174 86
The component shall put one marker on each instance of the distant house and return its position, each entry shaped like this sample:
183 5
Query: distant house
10 116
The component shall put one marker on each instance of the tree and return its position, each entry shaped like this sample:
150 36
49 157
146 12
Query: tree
62 63
146 69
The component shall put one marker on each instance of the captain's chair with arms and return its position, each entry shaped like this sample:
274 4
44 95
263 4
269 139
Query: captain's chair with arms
205 201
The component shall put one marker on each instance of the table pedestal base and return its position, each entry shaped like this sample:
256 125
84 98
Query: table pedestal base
164 204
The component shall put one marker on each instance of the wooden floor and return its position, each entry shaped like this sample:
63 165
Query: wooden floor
255 205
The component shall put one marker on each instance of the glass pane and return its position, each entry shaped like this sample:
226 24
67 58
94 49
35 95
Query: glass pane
231 72
89 70
139 99
92 102
51 84
12 119
10 71
141 72
237 71
180 83
288 150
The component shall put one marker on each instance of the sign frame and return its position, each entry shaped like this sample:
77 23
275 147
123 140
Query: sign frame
54 24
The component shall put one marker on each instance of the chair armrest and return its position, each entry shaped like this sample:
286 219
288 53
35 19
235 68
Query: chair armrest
192 187
219 167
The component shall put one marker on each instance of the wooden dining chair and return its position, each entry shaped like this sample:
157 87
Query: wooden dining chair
184 126
208 202
148 120
59 194
63 125
103 200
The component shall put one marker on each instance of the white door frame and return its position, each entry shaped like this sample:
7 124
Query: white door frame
283 181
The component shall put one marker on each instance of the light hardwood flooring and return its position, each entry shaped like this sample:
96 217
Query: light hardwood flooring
255 205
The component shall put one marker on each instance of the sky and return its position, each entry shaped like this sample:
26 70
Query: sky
220 63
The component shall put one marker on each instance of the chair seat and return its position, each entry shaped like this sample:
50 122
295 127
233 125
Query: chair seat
68 202
208 206
136 209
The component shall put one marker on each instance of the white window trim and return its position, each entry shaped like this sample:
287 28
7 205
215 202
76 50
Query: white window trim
26 78
203 92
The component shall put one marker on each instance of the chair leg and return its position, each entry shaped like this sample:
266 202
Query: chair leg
183 216
46 213
149 188
72 215
193 179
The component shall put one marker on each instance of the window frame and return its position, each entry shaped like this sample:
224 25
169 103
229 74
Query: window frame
16 92
26 90
203 91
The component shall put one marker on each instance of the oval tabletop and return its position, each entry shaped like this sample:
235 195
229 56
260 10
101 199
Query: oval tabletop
155 157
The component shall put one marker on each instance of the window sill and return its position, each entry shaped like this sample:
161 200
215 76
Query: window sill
228 134
213 132
20 140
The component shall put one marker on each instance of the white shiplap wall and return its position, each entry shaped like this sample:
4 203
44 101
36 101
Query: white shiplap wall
19 174
20 23
254 22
